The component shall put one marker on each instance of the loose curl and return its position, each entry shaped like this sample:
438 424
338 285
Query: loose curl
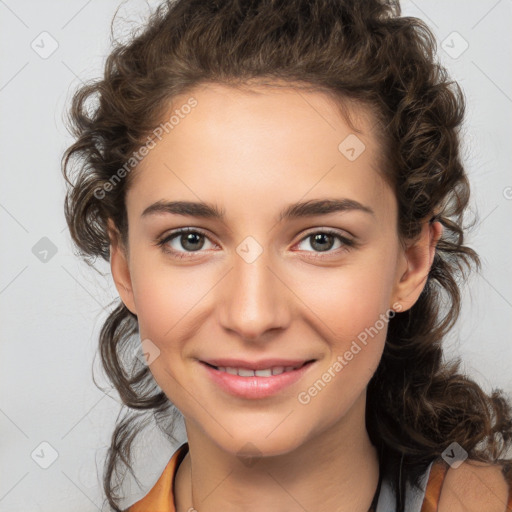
354 51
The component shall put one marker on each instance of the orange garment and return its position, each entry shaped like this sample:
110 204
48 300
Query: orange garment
161 497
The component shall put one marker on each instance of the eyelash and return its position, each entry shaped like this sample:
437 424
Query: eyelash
348 244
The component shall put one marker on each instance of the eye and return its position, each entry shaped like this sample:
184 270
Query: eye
191 239
323 240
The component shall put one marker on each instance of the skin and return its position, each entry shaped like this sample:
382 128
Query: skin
474 486
252 154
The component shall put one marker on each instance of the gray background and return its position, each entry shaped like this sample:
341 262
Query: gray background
52 304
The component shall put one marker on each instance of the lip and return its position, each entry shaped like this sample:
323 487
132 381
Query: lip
254 388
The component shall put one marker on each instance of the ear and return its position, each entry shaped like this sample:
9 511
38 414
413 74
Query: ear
119 266
416 261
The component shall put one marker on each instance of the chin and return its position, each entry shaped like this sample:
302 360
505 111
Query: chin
253 446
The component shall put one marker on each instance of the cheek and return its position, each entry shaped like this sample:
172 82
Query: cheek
351 314
163 299
346 301
164 296
356 340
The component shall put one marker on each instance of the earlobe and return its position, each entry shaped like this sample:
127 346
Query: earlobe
120 269
418 258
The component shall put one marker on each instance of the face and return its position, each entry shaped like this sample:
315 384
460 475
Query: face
264 280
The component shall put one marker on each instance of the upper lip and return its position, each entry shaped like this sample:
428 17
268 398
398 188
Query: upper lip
256 365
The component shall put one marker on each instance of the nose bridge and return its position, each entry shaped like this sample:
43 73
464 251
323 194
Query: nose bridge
254 299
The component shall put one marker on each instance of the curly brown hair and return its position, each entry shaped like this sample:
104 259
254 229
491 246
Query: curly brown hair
362 51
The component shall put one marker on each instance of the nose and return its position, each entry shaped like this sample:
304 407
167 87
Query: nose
255 299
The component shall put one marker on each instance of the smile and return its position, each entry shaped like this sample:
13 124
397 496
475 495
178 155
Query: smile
247 372
255 384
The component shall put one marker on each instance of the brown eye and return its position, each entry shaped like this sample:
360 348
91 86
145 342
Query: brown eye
191 241
184 242
324 241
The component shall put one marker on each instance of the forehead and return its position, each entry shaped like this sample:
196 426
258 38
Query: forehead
266 145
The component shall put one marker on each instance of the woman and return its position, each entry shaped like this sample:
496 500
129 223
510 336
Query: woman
278 188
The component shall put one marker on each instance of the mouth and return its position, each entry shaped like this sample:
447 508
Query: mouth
264 372
250 383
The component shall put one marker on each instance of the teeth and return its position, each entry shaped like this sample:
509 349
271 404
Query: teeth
263 373
245 372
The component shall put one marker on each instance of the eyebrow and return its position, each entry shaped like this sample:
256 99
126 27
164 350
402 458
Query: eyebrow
310 208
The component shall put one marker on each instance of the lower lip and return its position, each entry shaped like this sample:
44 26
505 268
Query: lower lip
255 387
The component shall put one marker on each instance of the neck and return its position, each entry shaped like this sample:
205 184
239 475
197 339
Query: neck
337 470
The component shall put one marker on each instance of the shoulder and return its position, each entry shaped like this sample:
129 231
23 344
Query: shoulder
475 486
